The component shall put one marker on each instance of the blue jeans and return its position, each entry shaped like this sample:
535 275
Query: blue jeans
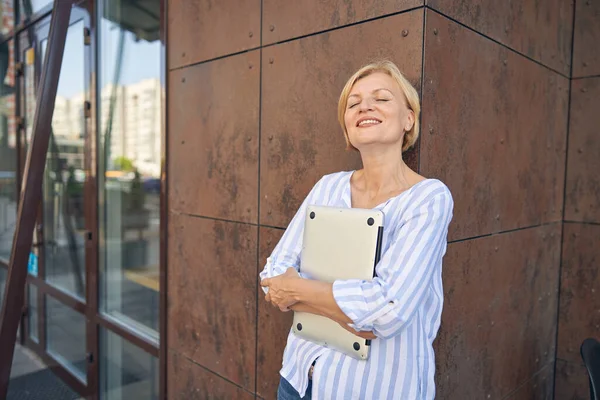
287 392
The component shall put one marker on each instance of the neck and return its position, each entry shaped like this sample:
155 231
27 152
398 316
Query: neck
384 172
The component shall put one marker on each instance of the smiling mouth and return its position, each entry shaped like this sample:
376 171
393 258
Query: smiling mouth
368 122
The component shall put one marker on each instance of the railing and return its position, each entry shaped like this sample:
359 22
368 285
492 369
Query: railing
31 194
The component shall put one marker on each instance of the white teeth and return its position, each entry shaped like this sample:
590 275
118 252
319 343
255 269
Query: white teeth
368 121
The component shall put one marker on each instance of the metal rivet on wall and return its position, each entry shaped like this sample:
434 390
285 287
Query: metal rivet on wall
580 150
183 54
249 139
435 31
431 131
249 66
501 141
271 60
498 217
269 242
584 89
271 28
182 79
270 137
405 32
496 248
250 34
506 29
585 64
269 212
505 62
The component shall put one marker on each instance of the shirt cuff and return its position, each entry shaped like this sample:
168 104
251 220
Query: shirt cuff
349 297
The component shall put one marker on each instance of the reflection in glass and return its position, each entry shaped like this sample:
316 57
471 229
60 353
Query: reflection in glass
3 273
8 150
66 337
28 8
32 319
126 371
64 176
129 126
7 17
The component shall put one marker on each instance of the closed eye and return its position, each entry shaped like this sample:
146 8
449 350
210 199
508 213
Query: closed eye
383 100
352 105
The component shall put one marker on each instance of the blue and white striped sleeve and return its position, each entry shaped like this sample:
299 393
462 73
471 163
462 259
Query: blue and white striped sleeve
287 252
387 303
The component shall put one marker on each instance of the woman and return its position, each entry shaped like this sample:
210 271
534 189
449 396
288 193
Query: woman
400 309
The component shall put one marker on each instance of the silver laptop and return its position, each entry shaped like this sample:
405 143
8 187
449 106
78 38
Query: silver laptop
338 243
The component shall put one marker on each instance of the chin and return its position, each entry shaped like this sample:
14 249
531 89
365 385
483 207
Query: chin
373 143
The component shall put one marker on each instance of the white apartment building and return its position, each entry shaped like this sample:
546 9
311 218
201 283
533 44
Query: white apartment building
135 127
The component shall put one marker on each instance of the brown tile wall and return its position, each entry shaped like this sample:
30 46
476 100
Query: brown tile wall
252 98
579 308
494 128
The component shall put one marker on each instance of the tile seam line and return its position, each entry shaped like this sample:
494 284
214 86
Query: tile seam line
422 97
524 228
364 21
259 154
427 7
498 43
564 199
522 384
582 222
259 225
211 371
578 78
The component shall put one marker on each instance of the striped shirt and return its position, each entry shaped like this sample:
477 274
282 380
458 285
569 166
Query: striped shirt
402 305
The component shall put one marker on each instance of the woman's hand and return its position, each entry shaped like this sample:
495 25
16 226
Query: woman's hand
282 291
363 334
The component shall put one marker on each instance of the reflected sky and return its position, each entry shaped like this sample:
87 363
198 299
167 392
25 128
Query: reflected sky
140 60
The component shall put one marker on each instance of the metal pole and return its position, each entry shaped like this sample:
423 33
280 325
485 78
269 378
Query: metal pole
31 194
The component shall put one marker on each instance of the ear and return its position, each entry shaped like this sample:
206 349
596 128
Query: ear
411 120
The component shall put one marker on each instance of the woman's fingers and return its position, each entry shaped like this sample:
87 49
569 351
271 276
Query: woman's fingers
363 334
367 335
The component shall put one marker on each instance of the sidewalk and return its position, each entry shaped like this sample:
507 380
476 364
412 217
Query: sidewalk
30 379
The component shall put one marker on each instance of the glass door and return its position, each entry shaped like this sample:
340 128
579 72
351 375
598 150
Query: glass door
93 286
60 264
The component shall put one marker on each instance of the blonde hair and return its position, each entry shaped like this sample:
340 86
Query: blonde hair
410 94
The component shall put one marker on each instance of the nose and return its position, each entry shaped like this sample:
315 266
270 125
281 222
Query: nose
365 105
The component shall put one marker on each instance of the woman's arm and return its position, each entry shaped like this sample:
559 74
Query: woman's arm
286 253
302 307
387 303
287 289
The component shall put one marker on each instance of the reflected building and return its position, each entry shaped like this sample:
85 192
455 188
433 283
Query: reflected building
135 124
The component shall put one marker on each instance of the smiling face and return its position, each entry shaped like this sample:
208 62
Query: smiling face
376 112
